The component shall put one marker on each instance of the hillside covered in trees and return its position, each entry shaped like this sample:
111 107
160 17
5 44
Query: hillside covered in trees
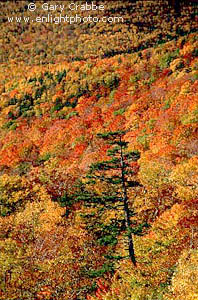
99 151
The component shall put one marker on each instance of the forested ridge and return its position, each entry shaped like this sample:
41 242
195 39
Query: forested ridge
99 154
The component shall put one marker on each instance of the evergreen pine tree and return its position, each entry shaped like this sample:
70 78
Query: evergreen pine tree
115 173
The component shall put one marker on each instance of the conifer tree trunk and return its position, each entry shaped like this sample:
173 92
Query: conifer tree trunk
126 210
116 195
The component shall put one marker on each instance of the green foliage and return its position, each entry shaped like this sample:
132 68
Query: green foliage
168 58
135 78
12 101
58 105
119 112
11 125
195 53
40 91
167 104
44 157
111 81
144 140
60 76
151 123
23 168
111 195
70 115
107 267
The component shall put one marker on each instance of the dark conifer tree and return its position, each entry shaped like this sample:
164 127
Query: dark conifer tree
117 174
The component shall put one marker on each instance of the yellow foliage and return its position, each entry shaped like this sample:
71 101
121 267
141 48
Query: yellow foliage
189 48
185 178
51 215
185 89
176 64
13 192
185 279
169 219
42 215
111 214
152 174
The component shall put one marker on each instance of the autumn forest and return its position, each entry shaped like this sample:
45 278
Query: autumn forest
99 150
